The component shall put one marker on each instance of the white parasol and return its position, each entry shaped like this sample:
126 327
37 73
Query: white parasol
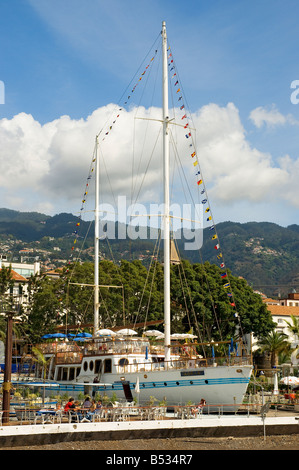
153 333
126 332
290 380
182 336
105 332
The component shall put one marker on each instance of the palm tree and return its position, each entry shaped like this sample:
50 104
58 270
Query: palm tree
274 343
41 360
293 326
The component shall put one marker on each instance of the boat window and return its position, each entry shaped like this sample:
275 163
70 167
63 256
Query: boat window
78 369
123 362
72 373
91 364
85 365
59 373
98 366
107 365
64 373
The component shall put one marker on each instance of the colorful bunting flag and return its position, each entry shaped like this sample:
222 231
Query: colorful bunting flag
199 182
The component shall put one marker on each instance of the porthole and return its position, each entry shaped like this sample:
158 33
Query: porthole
91 364
178 383
206 381
154 385
191 382
165 383
85 366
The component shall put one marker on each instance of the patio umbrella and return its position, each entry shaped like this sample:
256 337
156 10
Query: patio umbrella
105 332
126 332
84 335
54 335
176 336
290 380
153 333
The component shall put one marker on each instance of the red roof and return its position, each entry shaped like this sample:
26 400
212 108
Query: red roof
17 277
281 310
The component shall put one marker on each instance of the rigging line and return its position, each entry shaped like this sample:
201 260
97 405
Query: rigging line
177 155
107 175
180 165
146 170
181 86
210 295
184 101
181 267
77 259
103 303
201 181
146 132
132 80
153 261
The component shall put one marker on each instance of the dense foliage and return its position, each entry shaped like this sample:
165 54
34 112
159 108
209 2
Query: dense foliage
265 254
198 300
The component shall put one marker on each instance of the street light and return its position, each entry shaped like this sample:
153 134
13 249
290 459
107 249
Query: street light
9 310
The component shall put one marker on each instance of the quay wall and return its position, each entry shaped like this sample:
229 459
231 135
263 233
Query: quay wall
202 427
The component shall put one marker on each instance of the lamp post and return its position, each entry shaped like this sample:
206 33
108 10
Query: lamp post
9 309
7 370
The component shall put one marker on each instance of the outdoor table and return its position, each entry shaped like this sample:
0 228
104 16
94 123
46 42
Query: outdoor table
47 416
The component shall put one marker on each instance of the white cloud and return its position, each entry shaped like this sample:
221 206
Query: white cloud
45 167
234 170
261 116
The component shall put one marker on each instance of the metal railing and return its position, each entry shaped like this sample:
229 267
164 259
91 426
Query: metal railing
130 412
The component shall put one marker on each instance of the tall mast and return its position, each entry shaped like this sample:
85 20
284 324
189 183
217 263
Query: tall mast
166 197
96 240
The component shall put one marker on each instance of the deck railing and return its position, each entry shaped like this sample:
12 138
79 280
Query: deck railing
182 363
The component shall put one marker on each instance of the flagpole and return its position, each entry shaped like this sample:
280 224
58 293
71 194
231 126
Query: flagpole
166 197
96 241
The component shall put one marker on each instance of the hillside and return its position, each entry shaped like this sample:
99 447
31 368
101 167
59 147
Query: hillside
265 254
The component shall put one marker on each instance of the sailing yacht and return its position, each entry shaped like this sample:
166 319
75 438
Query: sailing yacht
131 367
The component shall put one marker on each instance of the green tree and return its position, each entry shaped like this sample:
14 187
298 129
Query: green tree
274 343
198 299
293 326
205 301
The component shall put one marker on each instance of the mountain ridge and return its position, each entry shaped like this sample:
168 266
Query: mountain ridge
264 253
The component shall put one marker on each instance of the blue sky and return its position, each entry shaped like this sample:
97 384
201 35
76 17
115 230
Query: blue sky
71 58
